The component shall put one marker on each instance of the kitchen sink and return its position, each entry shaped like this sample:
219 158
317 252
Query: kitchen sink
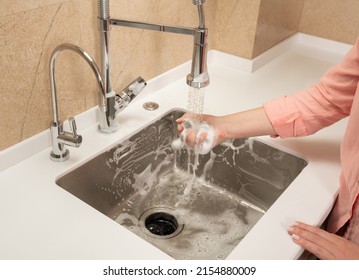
188 205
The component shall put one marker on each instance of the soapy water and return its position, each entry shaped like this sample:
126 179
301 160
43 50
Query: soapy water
214 219
209 232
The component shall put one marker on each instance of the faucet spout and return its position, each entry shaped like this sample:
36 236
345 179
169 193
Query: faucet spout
199 78
90 62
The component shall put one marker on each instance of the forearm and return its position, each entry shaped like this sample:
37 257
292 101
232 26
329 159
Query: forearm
244 124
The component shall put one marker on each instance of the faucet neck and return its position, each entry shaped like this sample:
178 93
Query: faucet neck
87 58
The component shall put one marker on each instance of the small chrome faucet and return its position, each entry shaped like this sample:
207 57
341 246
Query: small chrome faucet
60 138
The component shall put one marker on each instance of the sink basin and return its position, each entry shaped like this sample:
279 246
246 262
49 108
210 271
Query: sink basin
190 206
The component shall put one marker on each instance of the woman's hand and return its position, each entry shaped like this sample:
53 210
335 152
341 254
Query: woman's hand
243 124
191 137
324 245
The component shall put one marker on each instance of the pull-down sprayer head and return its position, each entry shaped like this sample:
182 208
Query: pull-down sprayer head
199 78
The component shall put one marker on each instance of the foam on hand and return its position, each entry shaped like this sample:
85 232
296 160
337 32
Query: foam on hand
177 144
210 140
189 126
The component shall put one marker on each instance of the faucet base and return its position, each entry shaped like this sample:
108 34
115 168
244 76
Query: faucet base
107 125
60 158
106 130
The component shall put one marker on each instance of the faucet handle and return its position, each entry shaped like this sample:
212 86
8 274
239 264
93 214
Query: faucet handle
130 92
60 138
136 86
71 138
73 127
133 89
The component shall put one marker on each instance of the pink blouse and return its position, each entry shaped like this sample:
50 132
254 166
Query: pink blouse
336 96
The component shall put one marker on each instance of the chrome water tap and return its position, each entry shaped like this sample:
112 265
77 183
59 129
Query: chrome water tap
60 138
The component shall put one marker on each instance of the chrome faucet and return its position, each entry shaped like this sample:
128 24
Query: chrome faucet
59 137
198 77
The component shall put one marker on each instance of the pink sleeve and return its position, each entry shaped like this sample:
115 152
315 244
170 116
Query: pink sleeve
321 105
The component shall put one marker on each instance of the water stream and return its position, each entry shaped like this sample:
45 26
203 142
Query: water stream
195 101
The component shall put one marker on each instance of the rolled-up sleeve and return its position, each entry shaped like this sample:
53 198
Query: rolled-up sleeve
319 106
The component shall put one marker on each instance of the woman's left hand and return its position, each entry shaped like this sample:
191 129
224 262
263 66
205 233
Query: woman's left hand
324 245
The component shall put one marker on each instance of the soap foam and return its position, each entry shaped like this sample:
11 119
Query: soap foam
193 126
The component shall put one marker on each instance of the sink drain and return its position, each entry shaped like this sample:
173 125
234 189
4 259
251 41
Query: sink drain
160 222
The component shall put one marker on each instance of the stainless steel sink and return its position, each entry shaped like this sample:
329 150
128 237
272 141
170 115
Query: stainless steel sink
189 206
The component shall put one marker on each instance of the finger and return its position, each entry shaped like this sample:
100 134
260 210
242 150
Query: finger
322 252
317 241
316 230
313 234
185 117
201 138
180 128
180 120
191 139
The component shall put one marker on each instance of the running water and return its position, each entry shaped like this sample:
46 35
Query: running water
195 101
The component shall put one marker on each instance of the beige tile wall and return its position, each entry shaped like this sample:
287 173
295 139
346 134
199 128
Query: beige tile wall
26 40
277 20
236 22
332 19
30 29
247 28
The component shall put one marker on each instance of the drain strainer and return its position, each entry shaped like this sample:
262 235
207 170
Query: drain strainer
160 222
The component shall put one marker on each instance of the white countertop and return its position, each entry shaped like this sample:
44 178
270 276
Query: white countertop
40 220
